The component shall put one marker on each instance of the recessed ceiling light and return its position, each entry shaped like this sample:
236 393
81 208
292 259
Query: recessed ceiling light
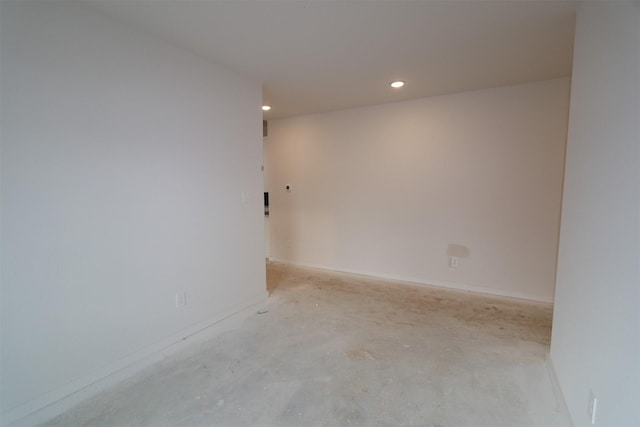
397 84
266 107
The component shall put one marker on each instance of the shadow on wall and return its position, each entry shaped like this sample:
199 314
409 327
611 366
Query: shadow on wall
458 251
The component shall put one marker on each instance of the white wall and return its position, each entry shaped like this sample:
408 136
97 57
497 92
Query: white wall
123 164
596 326
386 190
267 241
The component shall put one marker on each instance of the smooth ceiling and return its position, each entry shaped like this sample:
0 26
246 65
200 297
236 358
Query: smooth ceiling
316 56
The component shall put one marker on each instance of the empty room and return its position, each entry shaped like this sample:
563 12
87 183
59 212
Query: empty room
320 213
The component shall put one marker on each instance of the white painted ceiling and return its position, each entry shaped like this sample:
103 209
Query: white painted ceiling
316 56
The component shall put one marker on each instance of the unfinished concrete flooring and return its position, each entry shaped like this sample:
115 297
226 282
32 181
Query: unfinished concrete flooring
337 349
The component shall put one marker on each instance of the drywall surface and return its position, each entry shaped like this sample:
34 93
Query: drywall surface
394 190
596 326
124 165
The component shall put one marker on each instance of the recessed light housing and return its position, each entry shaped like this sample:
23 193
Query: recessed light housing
266 107
397 84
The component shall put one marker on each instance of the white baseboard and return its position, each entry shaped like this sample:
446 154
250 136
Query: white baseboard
560 400
60 400
421 281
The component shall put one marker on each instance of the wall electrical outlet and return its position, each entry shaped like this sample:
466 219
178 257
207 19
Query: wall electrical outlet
453 262
593 407
181 299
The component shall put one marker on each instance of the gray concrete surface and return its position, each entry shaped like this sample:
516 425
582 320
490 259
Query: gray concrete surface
338 350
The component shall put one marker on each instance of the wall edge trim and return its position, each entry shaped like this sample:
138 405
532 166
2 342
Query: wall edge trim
557 390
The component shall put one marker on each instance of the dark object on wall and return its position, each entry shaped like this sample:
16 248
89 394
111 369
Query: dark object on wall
266 203
264 128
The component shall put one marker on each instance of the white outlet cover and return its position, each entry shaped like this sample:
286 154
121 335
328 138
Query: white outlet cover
181 299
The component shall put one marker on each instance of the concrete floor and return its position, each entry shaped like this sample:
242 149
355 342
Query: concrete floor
337 349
